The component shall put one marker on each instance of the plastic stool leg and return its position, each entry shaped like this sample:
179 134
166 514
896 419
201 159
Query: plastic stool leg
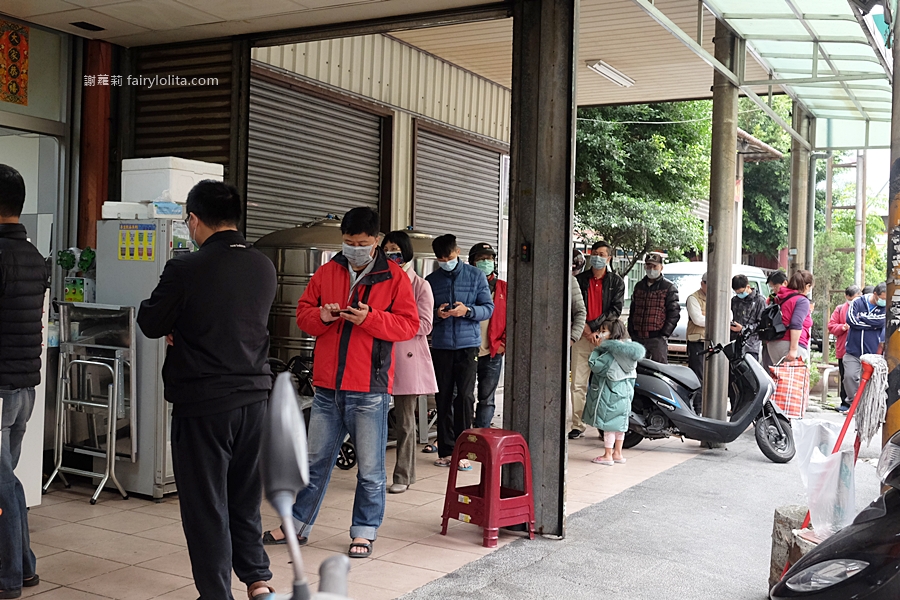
489 539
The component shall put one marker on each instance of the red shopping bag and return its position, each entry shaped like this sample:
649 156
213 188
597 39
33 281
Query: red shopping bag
791 387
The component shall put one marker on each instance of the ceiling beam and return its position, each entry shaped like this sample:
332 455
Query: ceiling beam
712 61
815 80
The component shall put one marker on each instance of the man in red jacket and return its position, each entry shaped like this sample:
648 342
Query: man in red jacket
493 334
837 326
357 305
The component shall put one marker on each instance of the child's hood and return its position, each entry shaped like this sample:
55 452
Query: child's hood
625 352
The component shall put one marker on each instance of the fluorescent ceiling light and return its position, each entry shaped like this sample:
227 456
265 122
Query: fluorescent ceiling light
617 77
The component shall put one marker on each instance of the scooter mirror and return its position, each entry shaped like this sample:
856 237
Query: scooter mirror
283 455
889 462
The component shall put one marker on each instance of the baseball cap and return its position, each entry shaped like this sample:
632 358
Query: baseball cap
481 248
654 258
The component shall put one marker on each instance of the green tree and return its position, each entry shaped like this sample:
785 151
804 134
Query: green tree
654 151
767 185
638 169
638 226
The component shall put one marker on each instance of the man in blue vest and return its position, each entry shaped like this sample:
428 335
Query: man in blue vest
23 281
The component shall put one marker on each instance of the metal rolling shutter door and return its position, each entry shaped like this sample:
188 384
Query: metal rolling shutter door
307 157
457 190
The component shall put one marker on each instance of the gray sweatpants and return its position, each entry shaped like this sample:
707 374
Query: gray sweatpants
852 372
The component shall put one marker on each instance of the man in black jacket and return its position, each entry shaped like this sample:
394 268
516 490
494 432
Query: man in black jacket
213 306
604 295
23 281
654 311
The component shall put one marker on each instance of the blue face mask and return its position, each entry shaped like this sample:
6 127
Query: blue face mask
743 294
598 262
881 302
396 257
449 265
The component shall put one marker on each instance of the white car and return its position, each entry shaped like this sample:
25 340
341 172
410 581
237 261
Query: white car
686 277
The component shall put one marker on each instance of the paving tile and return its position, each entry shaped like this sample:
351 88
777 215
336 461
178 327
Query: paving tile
68 567
128 521
383 545
404 530
73 536
436 559
41 588
66 593
38 523
132 583
42 551
392 576
168 508
188 592
130 549
73 512
359 590
177 563
171 534
415 497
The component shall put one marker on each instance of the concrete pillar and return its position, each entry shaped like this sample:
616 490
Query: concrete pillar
859 235
721 226
797 222
542 152
829 191
810 209
892 346
739 211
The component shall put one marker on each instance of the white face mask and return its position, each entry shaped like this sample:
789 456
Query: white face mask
357 256
603 335
653 273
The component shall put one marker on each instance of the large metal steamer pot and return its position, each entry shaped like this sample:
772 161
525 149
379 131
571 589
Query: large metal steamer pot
297 253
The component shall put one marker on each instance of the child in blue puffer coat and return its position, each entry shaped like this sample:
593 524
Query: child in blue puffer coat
613 371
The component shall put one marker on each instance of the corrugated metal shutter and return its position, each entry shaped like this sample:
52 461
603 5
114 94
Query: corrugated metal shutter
191 121
457 190
307 158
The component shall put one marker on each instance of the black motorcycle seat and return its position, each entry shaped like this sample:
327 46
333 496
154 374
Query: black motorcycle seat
682 375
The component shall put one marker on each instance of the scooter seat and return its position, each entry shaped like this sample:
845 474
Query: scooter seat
683 375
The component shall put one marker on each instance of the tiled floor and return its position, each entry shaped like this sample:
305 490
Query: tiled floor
134 549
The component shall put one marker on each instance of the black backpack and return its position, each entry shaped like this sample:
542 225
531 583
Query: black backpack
771 325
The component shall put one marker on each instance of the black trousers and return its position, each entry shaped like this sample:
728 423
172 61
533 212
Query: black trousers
844 401
695 362
454 369
216 460
657 348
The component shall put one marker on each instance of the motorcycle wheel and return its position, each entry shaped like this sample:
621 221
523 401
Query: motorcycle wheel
346 457
779 451
632 439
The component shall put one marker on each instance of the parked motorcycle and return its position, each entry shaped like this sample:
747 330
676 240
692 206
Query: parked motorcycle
862 560
664 396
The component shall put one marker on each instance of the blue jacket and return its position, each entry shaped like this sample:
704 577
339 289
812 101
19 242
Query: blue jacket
464 284
866 327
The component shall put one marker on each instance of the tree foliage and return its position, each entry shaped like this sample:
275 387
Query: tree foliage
638 170
767 185
638 226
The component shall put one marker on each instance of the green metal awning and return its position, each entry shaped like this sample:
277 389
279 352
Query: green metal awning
825 54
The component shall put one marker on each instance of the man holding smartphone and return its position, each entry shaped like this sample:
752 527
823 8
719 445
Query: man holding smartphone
462 299
357 305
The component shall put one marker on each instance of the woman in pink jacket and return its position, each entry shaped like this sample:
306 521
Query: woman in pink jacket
837 326
413 370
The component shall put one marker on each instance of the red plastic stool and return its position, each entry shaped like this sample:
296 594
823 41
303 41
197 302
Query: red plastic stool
488 503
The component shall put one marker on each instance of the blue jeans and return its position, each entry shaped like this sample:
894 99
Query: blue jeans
488 380
364 417
17 561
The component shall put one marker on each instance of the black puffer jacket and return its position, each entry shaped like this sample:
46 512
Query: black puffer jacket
613 295
23 280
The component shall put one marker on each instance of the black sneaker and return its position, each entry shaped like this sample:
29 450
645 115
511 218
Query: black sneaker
575 434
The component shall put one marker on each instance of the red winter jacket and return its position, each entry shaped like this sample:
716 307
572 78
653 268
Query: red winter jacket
354 358
497 324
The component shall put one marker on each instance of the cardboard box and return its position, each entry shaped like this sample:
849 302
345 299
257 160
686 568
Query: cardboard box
164 179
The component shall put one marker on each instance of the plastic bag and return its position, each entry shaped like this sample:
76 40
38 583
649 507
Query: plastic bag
828 478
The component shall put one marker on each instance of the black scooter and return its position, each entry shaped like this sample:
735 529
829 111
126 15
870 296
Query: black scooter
664 396
862 560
